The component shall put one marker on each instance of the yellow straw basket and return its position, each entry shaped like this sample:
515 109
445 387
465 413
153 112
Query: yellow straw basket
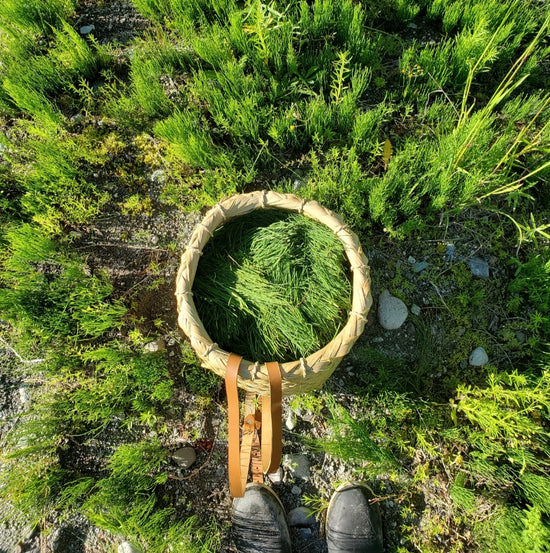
303 374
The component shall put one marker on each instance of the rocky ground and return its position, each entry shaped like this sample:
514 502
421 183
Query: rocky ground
197 467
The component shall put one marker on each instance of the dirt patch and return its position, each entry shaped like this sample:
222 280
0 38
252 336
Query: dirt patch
113 21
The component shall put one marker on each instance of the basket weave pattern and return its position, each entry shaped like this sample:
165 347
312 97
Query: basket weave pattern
303 374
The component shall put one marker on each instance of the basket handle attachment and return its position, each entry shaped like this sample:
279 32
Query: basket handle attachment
261 431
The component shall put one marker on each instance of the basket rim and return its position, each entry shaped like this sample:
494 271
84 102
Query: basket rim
253 374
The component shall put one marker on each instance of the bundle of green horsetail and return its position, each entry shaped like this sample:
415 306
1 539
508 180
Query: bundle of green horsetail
273 286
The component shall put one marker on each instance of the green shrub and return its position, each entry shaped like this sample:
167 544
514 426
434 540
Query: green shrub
129 502
49 295
358 443
122 382
339 183
190 141
49 171
514 531
32 81
530 290
510 446
149 64
20 17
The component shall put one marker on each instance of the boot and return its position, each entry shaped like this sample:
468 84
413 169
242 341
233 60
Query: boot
259 522
353 525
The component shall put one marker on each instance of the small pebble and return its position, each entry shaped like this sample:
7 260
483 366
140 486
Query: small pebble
276 477
296 490
184 457
301 517
158 176
377 339
392 312
411 260
24 397
127 547
87 29
420 266
415 309
151 347
305 533
478 357
450 252
298 465
479 267
290 421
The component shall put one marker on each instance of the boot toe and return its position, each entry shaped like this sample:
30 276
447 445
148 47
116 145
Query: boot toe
259 522
353 524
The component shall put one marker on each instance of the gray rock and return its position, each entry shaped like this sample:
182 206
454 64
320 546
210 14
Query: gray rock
305 533
479 267
478 357
276 477
24 397
392 312
415 309
420 266
296 490
127 547
290 422
158 176
301 517
411 260
298 465
156 345
87 29
450 252
184 457
151 347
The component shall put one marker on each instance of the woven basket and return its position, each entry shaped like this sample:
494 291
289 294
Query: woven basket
303 374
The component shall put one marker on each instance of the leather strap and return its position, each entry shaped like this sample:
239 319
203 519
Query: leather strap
236 484
272 421
240 451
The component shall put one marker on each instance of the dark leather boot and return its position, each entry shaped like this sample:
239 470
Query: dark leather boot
353 525
259 522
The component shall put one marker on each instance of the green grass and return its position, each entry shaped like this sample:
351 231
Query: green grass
422 122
